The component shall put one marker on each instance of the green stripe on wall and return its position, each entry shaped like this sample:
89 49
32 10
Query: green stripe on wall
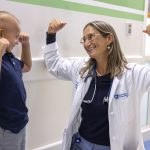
84 8
136 4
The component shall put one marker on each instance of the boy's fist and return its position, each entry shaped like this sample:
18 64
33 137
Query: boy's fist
4 44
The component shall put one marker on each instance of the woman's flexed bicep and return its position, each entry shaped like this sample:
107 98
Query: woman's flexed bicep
62 68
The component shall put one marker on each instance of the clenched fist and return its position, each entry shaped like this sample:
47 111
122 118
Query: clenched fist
147 30
4 44
55 25
24 38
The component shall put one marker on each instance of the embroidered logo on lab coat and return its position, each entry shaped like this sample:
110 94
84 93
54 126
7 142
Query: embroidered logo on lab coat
121 96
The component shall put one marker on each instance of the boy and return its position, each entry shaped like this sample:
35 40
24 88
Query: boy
13 110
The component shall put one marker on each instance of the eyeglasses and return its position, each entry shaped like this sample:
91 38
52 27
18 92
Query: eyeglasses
88 38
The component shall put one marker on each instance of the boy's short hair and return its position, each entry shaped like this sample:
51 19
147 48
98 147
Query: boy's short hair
5 17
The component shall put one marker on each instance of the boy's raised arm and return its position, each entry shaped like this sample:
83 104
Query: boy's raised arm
26 54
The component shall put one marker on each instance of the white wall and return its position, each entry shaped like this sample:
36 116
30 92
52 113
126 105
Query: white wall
147 41
49 99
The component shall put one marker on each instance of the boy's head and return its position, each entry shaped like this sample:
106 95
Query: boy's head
9 28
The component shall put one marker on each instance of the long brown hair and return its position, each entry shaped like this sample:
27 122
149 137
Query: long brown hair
116 60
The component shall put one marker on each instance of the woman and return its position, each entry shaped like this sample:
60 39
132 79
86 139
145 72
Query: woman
107 90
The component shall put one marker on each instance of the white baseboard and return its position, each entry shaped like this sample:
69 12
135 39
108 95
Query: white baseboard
54 146
57 145
38 72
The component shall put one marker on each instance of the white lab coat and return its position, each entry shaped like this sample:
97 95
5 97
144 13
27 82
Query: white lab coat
124 101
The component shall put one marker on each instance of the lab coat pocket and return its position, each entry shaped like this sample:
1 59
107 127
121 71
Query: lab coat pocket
124 107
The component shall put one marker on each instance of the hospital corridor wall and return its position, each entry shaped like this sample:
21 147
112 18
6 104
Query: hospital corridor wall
49 99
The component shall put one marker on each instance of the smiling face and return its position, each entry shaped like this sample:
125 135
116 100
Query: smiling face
102 45
94 43
12 35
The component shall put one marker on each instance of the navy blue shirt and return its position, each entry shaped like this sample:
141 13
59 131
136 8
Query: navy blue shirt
13 110
94 125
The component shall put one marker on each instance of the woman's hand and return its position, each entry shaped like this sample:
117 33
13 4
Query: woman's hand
147 30
55 25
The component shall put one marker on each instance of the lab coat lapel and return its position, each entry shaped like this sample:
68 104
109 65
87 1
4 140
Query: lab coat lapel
113 89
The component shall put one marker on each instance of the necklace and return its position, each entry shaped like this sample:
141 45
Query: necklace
98 74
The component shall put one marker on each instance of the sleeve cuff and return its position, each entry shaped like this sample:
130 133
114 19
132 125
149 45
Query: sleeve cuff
50 38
